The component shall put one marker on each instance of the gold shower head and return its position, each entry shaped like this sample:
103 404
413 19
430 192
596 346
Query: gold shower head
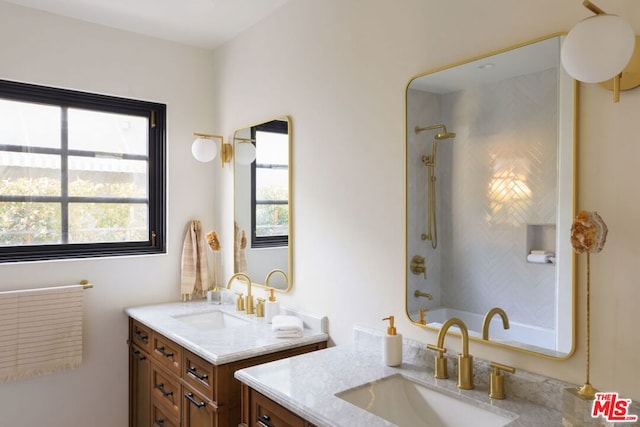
439 136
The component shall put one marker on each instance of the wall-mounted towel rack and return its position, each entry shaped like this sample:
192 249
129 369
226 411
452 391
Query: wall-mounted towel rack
41 330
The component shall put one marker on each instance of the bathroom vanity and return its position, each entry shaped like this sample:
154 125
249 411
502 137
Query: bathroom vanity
350 386
183 356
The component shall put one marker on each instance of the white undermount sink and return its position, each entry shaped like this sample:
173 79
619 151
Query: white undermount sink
408 404
215 319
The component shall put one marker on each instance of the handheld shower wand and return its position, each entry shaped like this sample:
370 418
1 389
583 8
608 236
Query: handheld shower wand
430 162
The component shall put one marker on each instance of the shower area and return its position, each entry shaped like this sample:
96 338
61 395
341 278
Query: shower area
482 173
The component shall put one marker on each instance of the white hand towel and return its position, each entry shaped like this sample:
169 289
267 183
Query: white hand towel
542 252
538 259
287 326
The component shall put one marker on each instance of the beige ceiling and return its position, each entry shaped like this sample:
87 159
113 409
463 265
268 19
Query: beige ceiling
202 23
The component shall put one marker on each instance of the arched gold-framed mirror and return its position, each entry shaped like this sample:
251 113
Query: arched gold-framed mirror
490 193
263 208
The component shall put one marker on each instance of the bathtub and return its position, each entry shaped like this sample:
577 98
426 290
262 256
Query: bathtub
519 333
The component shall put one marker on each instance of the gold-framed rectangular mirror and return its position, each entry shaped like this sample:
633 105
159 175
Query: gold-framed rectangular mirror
490 194
262 202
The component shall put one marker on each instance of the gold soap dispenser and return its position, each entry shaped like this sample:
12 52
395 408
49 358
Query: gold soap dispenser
392 345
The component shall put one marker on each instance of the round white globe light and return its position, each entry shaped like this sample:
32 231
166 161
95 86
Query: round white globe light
204 149
598 48
245 153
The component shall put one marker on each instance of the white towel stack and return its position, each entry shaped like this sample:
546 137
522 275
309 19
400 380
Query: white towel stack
539 256
287 326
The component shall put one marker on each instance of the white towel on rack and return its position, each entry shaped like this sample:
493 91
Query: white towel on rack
538 259
284 326
40 331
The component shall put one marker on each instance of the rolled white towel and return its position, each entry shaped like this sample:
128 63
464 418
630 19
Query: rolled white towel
541 252
538 259
284 326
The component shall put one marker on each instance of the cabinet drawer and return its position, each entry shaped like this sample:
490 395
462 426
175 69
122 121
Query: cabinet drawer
165 392
272 414
199 374
140 335
197 411
160 418
167 353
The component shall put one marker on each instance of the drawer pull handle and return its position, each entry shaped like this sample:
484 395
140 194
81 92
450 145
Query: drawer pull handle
264 421
190 398
139 355
142 337
159 423
164 392
163 352
194 373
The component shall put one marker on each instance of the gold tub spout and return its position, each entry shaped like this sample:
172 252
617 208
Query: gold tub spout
249 299
487 321
465 360
418 294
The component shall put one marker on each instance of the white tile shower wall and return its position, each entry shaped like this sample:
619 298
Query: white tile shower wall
495 178
423 109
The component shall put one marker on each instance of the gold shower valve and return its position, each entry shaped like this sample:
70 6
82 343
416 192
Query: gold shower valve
417 266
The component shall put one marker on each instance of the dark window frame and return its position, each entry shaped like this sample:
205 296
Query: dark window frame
65 98
274 126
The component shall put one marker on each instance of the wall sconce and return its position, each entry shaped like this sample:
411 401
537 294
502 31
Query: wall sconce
245 150
205 149
600 48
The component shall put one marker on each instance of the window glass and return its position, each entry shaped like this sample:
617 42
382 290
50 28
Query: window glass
80 174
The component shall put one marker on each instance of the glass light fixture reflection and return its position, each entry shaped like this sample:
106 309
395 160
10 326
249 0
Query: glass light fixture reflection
598 48
245 152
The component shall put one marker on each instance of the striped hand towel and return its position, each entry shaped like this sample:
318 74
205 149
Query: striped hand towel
195 265
40 331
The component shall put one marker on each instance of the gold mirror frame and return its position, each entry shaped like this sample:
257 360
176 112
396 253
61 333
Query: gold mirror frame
239 137
565 84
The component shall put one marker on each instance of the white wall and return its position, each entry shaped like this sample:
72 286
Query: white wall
340 69
44 49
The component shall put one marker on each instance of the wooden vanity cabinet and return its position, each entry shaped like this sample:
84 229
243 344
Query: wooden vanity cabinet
139 386
170 386
258 410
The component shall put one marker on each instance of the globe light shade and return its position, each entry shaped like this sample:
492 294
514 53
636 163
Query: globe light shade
204 149
598 48
245 153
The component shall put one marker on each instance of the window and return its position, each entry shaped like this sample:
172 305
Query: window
270 185
81 175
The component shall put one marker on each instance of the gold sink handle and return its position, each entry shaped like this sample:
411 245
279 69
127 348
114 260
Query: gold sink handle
496 390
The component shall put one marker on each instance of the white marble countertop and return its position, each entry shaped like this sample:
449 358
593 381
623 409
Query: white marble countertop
307 385
219 346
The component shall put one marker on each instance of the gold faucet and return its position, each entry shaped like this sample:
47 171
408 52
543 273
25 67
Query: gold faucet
421 319
271 273
465 360
487 321
249 299
418 294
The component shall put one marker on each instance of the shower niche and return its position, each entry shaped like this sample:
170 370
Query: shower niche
541 240
490 188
